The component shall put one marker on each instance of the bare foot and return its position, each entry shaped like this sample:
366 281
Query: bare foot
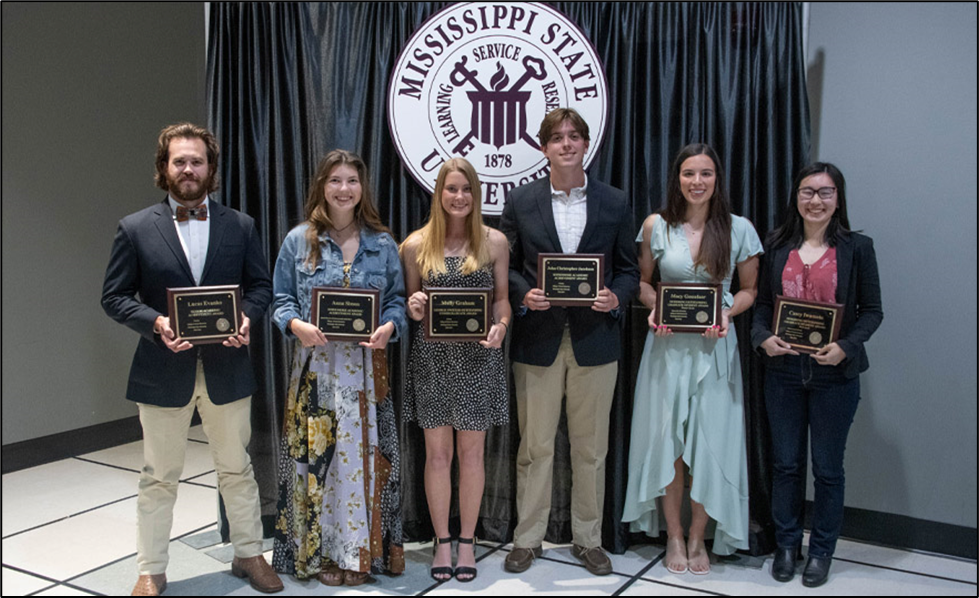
442 562
676 555
699 560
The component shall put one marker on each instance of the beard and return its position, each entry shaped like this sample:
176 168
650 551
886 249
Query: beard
188 188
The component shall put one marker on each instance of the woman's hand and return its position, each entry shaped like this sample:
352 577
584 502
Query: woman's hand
774 346
657 330
309 335
831 354
416 305
381 336
716 332
494 340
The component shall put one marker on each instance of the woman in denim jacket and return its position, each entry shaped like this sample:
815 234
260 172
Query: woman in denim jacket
339 482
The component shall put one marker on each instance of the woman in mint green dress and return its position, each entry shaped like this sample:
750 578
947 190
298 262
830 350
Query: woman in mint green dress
688 404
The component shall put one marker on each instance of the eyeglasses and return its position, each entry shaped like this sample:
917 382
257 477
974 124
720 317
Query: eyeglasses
824 192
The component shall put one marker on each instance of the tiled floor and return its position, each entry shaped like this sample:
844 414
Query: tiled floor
77 537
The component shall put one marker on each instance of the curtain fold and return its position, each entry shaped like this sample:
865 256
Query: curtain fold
288 82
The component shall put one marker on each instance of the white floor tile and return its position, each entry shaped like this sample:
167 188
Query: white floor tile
845 579
630 563
100 536
646 588
544 577
16 583
63 591
908 561
197 460
54 491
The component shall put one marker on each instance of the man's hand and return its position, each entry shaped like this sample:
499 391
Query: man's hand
244 334
536 301
175 344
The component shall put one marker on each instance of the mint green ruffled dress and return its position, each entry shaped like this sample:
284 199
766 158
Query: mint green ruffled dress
689 402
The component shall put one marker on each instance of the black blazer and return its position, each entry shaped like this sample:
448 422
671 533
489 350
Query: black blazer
147 258
857 289
528 223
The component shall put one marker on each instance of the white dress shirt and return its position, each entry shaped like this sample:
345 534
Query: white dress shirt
570 215
193 235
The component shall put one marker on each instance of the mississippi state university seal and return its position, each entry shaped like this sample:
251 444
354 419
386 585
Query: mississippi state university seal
476 80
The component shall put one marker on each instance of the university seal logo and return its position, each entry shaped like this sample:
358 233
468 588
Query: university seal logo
477 79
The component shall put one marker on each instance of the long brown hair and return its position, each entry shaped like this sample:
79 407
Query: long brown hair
317 214
431 237
715 248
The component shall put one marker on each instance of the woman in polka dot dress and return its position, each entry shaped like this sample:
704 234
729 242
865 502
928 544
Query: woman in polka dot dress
456 390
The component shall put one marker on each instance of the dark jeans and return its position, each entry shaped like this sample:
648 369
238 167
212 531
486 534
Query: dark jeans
807 399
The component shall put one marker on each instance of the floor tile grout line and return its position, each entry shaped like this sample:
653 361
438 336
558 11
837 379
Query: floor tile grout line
132 554
197 475
683 587
36 592
66 517
638 575
908 571
94 462
32 574
199 484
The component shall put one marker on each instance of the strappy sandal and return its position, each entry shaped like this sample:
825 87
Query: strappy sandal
445 572
470 572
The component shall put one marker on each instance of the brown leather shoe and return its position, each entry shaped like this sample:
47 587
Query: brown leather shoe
259 573
150 585
594 559
520 559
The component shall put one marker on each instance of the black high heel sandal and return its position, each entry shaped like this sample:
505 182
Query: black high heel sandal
447 572
471 572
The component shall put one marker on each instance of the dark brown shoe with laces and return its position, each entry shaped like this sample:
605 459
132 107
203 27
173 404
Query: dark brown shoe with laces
520 559
259 573
594 559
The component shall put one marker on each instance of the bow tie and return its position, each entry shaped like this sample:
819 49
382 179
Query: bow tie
198 213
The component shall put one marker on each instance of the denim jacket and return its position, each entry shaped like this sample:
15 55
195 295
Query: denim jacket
376 265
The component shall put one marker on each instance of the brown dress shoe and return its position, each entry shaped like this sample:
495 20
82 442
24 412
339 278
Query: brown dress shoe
520 559
594 559
259 573
150 585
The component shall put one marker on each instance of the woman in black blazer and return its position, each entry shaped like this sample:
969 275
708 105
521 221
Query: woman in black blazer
813 255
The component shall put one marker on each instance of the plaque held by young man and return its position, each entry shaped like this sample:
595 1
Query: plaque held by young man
806 325
457 314
688 307
571 279
345 314
203 315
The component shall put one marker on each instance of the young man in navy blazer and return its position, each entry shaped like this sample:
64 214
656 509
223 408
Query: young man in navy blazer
189 240
565 351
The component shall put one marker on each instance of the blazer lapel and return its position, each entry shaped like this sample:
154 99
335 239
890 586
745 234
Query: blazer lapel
594 206
547 215
164 223
217 219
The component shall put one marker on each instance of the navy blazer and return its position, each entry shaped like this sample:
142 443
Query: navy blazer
857 289
528 223
147 258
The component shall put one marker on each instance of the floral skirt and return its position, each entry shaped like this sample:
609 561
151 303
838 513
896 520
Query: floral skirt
339 468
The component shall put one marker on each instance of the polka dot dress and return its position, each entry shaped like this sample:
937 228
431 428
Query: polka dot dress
462 385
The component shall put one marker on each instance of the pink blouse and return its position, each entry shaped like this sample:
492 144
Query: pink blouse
811 283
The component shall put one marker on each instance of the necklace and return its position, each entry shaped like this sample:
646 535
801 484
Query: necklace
336 231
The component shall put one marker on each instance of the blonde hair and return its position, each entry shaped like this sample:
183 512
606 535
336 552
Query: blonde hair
430 239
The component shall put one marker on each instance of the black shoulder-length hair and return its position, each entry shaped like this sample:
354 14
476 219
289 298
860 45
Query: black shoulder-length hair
792 231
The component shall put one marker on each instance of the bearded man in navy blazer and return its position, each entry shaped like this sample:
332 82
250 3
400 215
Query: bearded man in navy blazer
565 351
189 240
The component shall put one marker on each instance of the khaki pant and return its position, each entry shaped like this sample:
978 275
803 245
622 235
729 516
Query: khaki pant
228 429
589 393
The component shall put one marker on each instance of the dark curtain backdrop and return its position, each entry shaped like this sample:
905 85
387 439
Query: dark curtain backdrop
289 82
